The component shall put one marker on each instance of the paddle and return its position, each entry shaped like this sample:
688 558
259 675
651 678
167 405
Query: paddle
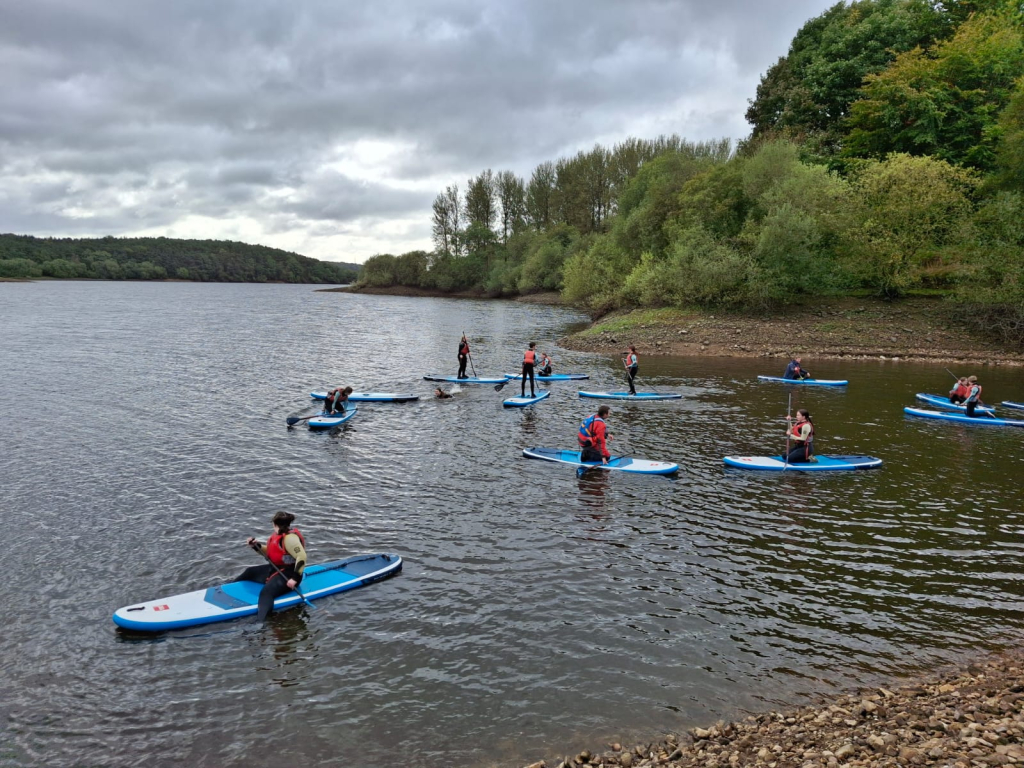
789 418
473 367
280 573
499 387
293 420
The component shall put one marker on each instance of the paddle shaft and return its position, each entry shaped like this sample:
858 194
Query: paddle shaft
789 416
472 367
501 386
280 573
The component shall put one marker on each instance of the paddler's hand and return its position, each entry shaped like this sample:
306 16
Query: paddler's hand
292 583
251 541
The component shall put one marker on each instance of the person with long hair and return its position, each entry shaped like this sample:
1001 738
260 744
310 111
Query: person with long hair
801 439
286 551
336 399
632 364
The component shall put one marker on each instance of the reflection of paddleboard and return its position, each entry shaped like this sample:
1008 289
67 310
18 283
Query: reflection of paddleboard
627 396
554 376
522 402
960 418
624 463
240 598
943 402
470 380
823 463
812 382
370 397
323 421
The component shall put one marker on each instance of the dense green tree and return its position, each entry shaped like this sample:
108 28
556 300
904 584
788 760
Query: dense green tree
481 200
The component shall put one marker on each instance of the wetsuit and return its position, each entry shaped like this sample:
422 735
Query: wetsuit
463 359
973 400
546 370
529 359
335 402
632 366
288 551
802 434
794 371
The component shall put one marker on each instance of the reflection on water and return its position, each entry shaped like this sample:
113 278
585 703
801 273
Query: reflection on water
537 612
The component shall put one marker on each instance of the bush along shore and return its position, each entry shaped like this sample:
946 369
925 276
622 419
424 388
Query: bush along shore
919 329
966 718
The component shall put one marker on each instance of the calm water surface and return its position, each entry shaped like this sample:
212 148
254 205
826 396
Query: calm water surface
143 439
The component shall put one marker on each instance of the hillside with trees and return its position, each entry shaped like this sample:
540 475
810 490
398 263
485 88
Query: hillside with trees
161 258
886 157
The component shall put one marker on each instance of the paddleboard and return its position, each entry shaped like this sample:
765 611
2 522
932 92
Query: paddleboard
522 402
371 397
823 464
470 380
1011 404
982 421
323 421
554 376
943 402
240 598
623 463
627 396
812 382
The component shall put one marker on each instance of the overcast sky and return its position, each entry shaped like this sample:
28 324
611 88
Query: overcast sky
328 127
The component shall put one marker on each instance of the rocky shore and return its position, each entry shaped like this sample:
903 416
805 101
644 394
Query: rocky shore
967 718
915 329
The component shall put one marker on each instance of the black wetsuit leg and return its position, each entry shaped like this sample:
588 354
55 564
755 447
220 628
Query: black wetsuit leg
632 378
257 573
798 454
272 590
591 454
527 371
462 366
970 409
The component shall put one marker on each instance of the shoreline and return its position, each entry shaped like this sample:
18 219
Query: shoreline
551 297
965 716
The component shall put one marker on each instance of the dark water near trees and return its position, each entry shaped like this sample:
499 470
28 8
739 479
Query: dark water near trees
144 439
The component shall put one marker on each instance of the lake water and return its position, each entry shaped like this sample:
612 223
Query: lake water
144 439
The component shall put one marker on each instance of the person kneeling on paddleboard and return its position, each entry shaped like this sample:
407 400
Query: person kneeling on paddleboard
593 437
973 396
802 434
336 399
286 550
795 371
545 365
959 393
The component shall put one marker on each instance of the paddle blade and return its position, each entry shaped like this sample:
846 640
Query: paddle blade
581 471
499 387
292 420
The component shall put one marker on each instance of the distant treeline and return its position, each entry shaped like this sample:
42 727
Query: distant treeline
886 156
161 258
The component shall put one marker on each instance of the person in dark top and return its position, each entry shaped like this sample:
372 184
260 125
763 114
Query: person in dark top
632 364
441 394
795 371
286 549
801 439
336 399
463 358
529 360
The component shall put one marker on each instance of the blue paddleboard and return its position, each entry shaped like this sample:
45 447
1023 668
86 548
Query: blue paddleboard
554 376
323 421
371 397
521 402
240 598
470 380
627 396
823 463
943 402
623 463
1011 404
981 421
812 382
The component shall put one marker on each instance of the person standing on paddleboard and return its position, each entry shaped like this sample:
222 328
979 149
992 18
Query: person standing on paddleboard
973 395
529 360
801 434
463 358
336 399
286 549
593 437
795 371
632 364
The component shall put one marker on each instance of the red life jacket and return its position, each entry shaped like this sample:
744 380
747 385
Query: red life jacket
530 357
588 431
972 386
796 430
961 390
631 359
463 347
275 550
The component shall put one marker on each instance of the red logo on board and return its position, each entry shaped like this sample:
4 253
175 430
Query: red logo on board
161 607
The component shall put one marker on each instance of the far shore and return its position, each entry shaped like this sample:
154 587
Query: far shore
913 329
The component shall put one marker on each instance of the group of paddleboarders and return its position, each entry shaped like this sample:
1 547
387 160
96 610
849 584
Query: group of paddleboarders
967 392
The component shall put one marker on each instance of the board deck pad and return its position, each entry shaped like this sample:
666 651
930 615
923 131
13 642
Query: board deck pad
811 382
470 380
323 421
823 463
521 402
240 598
